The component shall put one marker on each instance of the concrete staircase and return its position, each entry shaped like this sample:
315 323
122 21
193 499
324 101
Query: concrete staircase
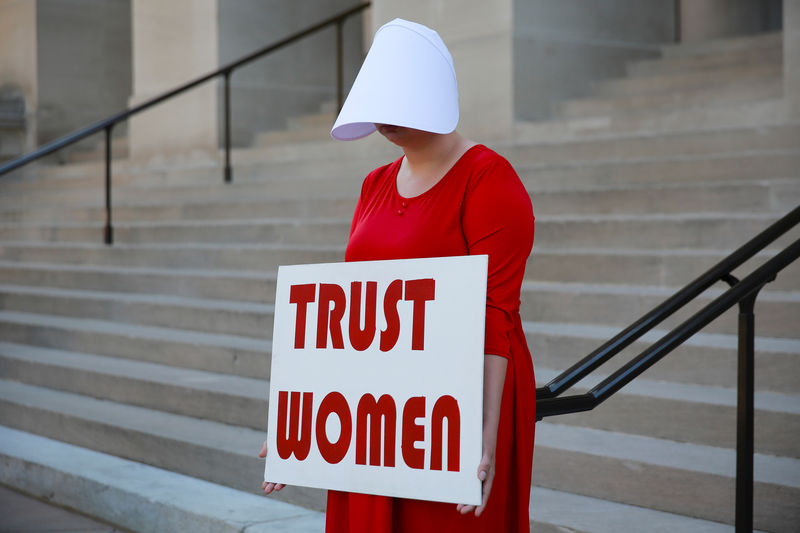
156 350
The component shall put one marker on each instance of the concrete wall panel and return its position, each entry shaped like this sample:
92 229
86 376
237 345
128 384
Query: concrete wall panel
84 63
293 81
561 47
18 72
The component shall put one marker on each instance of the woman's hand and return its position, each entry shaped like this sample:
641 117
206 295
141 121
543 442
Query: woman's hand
268 486
494 377
486 475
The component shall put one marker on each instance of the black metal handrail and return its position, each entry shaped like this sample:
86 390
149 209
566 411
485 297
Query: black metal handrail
225 71
742 292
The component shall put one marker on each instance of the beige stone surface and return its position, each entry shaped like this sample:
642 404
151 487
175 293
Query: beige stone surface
174 42
703 20
791 55
18 53
18 46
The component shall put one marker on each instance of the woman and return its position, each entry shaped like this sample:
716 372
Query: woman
446 196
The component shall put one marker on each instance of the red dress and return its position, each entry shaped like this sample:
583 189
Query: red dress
478 207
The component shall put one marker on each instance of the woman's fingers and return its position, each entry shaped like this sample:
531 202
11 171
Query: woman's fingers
487 488
268 487
464 508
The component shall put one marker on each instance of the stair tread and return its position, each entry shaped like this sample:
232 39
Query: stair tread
138 331
711 340
686 456
223 437
157 299
139 370
576 513
686 392
238 440
307 221
130 493
176 272
646 290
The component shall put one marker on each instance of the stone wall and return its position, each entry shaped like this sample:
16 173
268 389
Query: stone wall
703 20
293 81
561 47
84 63
18 65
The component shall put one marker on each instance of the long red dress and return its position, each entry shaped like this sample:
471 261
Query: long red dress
478 207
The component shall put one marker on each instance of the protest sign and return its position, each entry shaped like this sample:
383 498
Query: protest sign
377 377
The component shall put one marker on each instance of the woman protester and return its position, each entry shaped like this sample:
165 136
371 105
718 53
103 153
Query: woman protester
446 196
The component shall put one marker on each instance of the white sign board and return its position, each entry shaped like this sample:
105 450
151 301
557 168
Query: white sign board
377 377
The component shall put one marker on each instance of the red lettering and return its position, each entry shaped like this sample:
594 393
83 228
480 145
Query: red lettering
393 294
297 441
413 432
330 293
361 339
301 295
334 403
383 409
446 407
419 291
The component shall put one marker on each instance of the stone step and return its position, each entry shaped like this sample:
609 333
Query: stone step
178 255
708 413
223 398
136 496
193 447
219 453
555 511
241 285
768 68
182 189
775 195
203 209
590 265
688 152
764 150
128 494
317 133
758 89
688 413
619 231
287 230
225 317
720 60
704 359
372 147
747 166
710 356
210 352
674 268
753 113
319 120
677 477
655 145
778 312
729 44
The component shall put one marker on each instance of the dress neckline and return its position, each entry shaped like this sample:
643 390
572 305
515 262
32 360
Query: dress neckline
396 170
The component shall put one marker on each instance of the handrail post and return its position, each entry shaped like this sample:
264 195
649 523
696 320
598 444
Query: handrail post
745 414
228 171
108 232
339 65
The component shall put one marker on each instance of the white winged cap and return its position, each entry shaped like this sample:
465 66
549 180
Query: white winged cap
407 79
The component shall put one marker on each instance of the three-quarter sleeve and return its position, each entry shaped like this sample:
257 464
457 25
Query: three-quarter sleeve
497 220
